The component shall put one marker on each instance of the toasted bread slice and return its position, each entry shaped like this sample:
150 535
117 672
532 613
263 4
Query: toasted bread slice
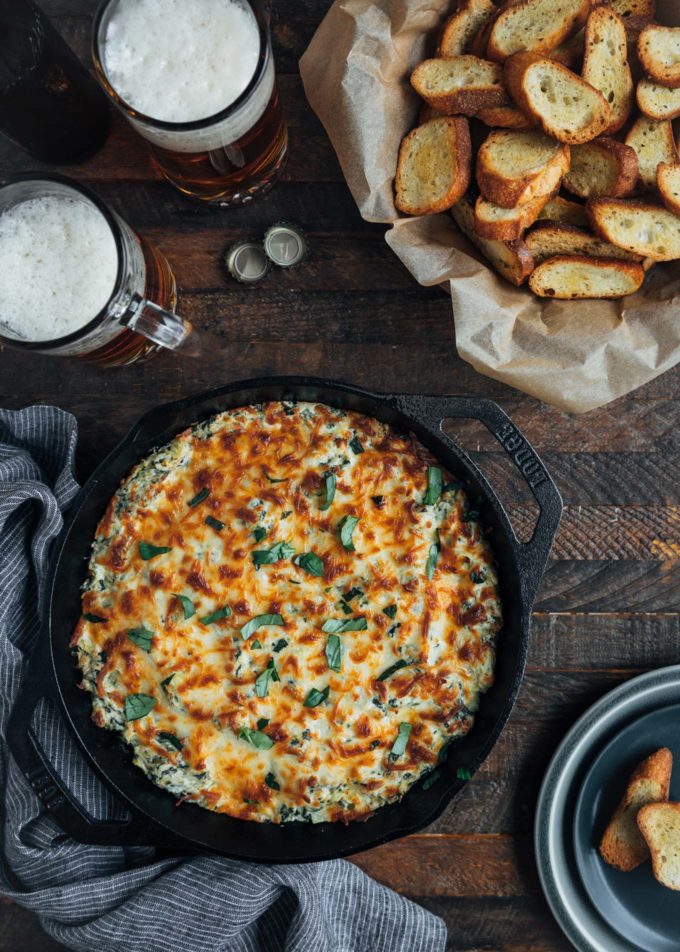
510 258
602 167
561 210
567 108
659 824
643 227
668 177
653 143
658 48
504 117
461 27
571 278
461 85
634 8
658 102
433 170
536 25
549 238
605 64
622 844
514 166
506 224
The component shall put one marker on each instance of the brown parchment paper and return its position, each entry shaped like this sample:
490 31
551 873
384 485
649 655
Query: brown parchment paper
575 355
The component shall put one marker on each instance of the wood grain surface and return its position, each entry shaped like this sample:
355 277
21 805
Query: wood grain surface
608 605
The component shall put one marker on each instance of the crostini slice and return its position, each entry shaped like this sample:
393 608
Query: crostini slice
605 64
433 169
572 278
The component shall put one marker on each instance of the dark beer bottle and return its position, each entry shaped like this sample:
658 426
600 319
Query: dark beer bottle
49 103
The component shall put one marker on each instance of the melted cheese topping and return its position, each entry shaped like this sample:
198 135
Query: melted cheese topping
289 721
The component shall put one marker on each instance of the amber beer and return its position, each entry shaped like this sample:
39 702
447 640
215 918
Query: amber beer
197 81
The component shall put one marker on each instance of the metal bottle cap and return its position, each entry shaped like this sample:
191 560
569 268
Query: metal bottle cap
285 245
247 262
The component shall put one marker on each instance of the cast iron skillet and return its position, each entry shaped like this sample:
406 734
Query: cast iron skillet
154 819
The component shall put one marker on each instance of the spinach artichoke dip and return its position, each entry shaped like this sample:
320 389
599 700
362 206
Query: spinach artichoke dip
290 611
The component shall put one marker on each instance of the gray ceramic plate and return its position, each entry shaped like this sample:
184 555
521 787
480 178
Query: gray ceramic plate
571 903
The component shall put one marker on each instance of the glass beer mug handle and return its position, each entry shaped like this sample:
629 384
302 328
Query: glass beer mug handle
163 327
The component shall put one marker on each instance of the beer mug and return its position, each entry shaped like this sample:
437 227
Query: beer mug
196 79
77 281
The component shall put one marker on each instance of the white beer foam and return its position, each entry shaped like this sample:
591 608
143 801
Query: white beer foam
180 60
58 267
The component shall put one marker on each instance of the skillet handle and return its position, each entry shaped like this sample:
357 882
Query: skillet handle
55 796
532 555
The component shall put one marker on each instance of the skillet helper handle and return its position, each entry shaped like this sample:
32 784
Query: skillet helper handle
57 799
531 555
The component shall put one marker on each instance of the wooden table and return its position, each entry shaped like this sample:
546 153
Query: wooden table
608 605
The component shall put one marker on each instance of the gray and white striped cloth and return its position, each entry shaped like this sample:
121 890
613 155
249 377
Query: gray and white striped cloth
124 900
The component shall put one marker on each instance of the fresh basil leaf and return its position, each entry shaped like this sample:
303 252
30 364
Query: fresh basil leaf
378 500
310 562
337 626
463 774
399 746
282 550
390 611
262 723
280 644
445 750
262 681
353 593
259 533
273 480
141 637
452 487
434 485
166 681
330 482
347 609
259 621
288 512
477 577
149 551
272 782
256 738
346 527
166 738
255 644
199 497
214 523
334 653
433 557
215 616
397 666
138 705
355 445
188 606
93 619
431 779
315 697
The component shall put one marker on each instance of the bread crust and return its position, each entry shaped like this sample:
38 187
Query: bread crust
510 259
461 27
562 211
500 187
652 45
455 142
605 64
544 280
517 27
648 229
549 238
504 117
653 143
657 844
658 102
509 226
456 98
595 117
668 178
619 160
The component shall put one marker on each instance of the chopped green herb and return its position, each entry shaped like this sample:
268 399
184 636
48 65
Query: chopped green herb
262 723
94 619
256 738
215 616
334 653
282 550
288 512
280 644
378 500
273 480
166 738
199 497
471 515
272 782
214 523
431 779
347 609
399 746
346 527
445 750
390 611
138 705
188 606
259 533
433 557
315 697
401 663
149 551
259 621
477 577
353 593
262 681
434 485
337 626
166 681
311 563
355 445
463 774
451 487
330 483
256 644
141 637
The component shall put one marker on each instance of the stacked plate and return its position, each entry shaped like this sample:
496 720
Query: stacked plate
599 908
